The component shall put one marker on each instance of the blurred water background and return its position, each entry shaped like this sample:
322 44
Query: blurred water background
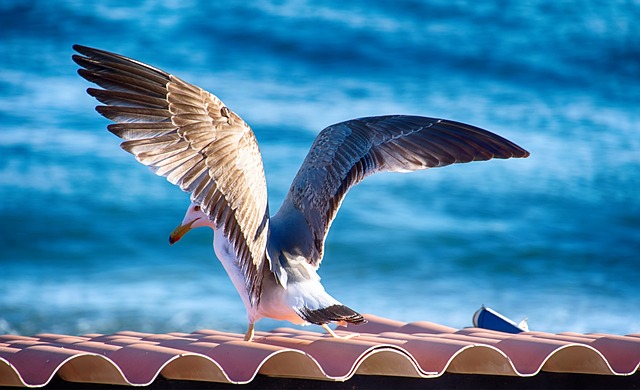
555 237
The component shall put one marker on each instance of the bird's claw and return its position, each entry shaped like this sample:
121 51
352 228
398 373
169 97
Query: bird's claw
334 335
250 333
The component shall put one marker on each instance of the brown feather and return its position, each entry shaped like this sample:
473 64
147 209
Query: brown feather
345 153
180 132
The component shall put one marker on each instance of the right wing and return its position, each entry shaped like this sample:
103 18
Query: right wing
345 153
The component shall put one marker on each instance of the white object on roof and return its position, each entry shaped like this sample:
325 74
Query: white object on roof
490 319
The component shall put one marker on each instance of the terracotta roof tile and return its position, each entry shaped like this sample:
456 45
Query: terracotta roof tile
384 347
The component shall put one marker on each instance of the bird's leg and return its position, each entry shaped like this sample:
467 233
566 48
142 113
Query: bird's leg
249 335
332 333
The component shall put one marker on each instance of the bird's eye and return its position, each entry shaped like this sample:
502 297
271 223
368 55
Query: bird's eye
196 208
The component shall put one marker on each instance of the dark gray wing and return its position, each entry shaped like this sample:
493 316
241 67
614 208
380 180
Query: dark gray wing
345 153
187 135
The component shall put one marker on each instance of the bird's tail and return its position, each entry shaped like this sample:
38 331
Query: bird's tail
338 313
309 300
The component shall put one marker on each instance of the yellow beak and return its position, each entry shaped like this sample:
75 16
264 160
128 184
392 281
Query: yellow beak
180 231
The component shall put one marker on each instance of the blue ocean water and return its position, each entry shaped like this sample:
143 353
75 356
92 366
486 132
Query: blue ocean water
555 237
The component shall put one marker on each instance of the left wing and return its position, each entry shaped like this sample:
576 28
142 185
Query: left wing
189 136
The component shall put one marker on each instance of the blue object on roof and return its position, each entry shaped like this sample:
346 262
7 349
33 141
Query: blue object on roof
490 319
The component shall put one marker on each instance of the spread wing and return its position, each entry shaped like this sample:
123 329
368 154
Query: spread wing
187 135
345 153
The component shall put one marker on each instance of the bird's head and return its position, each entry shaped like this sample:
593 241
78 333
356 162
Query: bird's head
194 218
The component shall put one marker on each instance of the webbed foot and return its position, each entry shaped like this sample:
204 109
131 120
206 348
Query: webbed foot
250 332
345 337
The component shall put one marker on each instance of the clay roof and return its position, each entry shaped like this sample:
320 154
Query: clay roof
384 347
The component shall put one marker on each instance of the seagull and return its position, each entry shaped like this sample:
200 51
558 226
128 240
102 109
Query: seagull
189 136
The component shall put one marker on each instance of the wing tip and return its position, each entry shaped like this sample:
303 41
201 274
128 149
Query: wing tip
515 151
86 51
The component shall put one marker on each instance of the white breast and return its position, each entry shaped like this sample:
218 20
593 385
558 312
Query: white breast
273 301
224 252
